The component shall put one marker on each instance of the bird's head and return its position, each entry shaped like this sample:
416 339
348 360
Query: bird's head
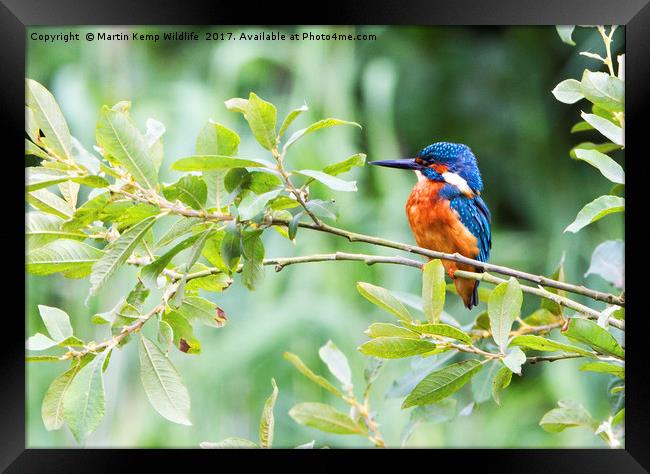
453 163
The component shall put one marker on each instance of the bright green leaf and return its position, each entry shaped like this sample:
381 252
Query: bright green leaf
596 210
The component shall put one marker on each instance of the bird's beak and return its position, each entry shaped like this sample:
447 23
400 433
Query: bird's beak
404 163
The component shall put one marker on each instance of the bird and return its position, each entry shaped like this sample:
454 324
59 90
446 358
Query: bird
445 210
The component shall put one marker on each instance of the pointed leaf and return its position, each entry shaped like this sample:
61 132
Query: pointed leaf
261 117
56 321
384 299
52 406
441 383
540 343
306 371
565 32
163 385
596 210
514 360
603 90
324 418
603 163
337 363
328 122
330 181
49 119
62 256
121 140
83 403
267 422
216 162
433 290
396 347
608 129
118 252
568 91
291 116
504 307
441 330
590 333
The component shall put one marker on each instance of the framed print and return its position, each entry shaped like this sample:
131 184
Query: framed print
382 228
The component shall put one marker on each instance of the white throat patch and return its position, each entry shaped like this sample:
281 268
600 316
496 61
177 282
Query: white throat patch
458 181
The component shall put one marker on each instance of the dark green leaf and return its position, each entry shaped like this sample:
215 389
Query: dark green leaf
441 383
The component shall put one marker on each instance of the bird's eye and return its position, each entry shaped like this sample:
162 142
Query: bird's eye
419 161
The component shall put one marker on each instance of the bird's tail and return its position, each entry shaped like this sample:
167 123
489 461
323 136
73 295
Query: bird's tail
468 291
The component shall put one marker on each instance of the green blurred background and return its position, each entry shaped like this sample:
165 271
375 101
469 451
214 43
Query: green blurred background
486 87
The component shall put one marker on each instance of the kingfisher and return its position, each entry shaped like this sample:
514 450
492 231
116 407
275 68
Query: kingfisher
445 210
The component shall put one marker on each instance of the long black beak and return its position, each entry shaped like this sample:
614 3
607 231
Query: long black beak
404 163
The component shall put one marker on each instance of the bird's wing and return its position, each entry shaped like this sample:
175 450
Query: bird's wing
475 215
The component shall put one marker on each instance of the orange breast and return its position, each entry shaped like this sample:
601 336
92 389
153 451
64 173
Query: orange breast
436 226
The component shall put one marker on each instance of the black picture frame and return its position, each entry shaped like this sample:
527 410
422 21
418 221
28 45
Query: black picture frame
16 15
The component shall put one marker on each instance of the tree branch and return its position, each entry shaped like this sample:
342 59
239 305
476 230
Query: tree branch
456 257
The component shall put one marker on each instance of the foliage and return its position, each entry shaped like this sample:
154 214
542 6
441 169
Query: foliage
222 206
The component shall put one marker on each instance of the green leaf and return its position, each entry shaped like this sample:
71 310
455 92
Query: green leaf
325 418
292 228
216 162
501 381
227 443
565 32
39 342
604 367
46 201
514 360
194 255
41 229
384 299
596 210
306 371
123 142
215 139
184 339
337 363
42 358
62 256
608 262
261 117
195 308
178 229
149 273
135 214
396 347
252 204
581 126
267 421
237 105
371 372
117 253
325 123
540 343
231 247
52 406
603 90
162 384
441 330
358 159
83 403
291 116
389 330
190 190
441 383
608 129
590 333
56 321
49 119
330 181
568 91
39 177
70 191
504 307
567 416
603 163
165 334
433 290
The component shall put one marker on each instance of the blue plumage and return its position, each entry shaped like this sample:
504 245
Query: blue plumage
458 158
